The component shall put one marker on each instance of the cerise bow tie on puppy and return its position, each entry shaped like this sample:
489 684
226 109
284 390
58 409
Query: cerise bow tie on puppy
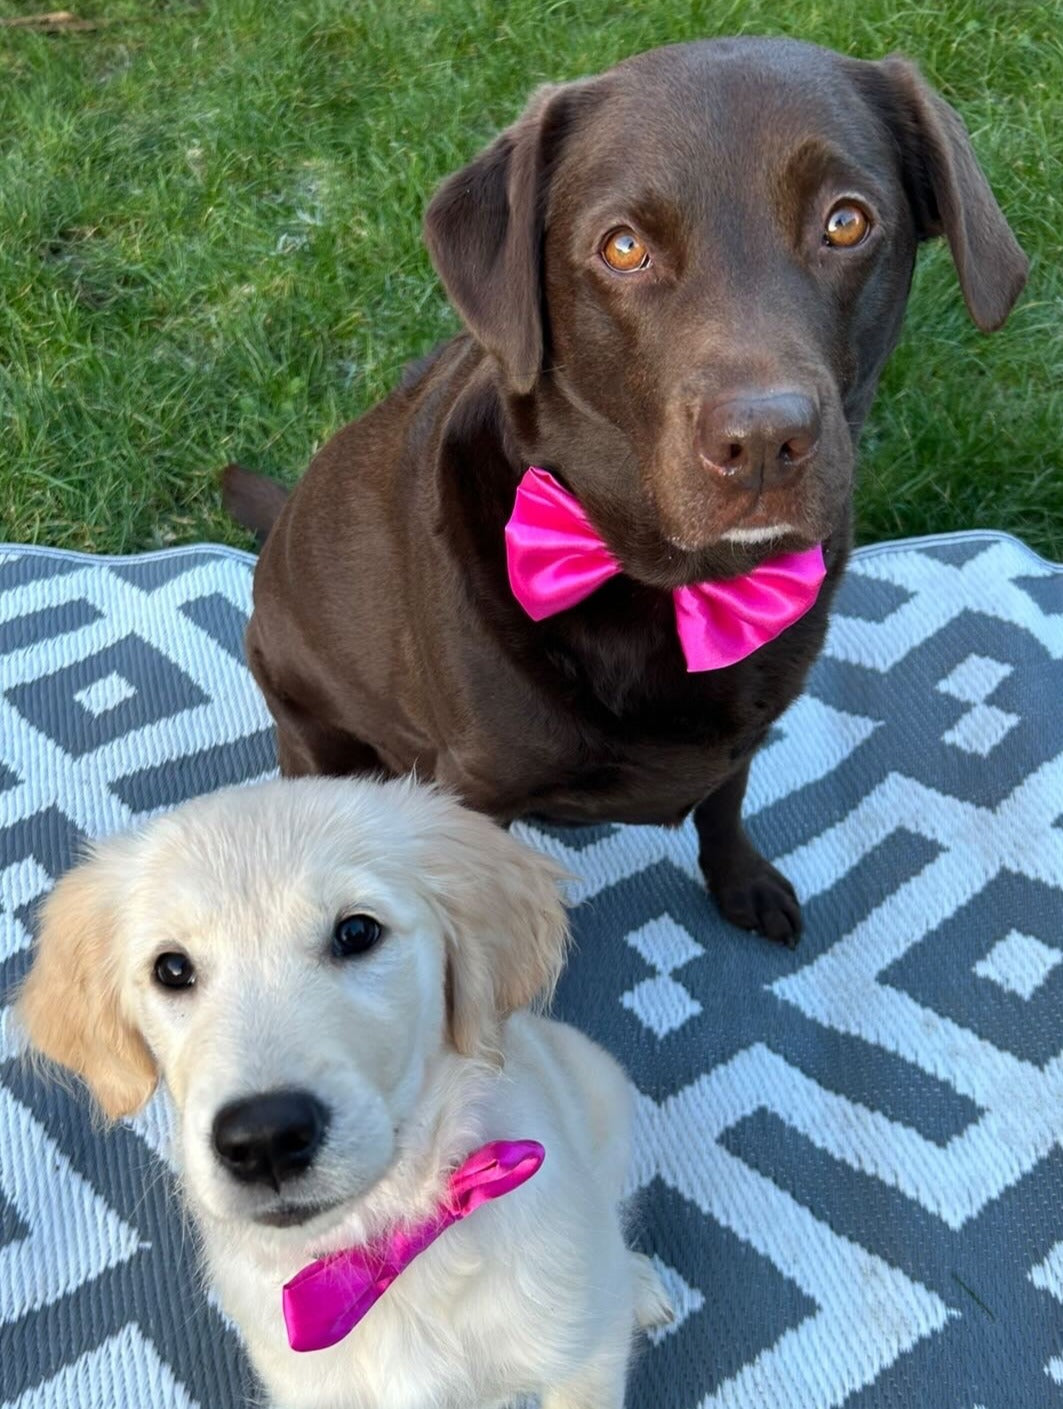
556 559
326 1300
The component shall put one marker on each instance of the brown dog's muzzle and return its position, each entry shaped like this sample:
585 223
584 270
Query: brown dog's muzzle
757 440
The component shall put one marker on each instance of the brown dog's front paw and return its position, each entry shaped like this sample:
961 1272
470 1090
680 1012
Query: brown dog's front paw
759 898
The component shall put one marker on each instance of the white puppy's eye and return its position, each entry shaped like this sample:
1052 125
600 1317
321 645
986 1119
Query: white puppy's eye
174 970
354 935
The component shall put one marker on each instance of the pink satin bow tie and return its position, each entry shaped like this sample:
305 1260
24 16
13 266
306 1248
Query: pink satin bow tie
325 1301
556 559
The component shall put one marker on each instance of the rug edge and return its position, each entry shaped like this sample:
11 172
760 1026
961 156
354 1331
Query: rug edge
241 555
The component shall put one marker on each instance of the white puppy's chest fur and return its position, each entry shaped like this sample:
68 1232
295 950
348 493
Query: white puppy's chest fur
519 1297
431 1341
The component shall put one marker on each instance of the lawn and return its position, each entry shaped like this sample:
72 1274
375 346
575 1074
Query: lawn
210 242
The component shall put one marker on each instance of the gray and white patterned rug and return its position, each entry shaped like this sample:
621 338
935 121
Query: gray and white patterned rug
849 1158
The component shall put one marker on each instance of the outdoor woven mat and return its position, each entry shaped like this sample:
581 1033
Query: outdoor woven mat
848 1158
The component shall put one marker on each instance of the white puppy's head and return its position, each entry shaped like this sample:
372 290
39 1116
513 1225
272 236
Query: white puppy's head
295 959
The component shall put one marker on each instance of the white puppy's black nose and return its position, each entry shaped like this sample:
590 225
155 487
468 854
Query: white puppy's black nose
269 1138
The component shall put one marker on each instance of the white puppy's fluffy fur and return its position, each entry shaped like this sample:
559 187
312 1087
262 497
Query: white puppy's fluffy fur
419 1049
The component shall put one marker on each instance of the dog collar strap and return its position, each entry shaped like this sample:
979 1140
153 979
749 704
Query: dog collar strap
556 559
325 1301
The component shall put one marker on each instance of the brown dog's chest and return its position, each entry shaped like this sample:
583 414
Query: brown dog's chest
573 773
650 786
600 721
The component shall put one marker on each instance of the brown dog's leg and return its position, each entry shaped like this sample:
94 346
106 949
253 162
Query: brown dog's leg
301 754
305 746
749 891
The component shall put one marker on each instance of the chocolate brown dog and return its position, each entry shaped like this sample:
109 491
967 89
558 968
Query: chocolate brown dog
680 282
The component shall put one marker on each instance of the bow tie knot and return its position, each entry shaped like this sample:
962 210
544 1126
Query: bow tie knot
556 559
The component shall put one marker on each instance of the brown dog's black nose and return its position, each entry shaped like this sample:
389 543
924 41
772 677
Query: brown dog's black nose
266 1139
756 441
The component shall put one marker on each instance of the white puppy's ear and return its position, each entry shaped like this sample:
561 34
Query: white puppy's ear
505 923
71 1006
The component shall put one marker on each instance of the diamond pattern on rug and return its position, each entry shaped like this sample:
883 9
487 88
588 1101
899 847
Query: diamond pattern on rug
106 696
1019 963
849 1158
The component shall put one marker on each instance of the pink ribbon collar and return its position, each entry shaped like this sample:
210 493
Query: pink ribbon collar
325 1301
556 559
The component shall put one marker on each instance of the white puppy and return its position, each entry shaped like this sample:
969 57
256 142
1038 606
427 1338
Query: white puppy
330 976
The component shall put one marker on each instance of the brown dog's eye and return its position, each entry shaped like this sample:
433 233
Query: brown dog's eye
354 935
174 970
625 252
847 225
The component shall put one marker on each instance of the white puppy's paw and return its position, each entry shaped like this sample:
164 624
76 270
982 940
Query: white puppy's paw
652 1307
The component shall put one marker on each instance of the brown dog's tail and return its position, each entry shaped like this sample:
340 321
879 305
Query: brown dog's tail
253 500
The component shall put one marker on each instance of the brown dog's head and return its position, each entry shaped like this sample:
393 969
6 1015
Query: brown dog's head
691 271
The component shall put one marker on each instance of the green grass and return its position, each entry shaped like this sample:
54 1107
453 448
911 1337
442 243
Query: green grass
210 242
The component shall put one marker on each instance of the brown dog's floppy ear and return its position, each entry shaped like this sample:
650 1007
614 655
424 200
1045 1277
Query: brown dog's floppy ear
504 919
70 1006
484 232
948 190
